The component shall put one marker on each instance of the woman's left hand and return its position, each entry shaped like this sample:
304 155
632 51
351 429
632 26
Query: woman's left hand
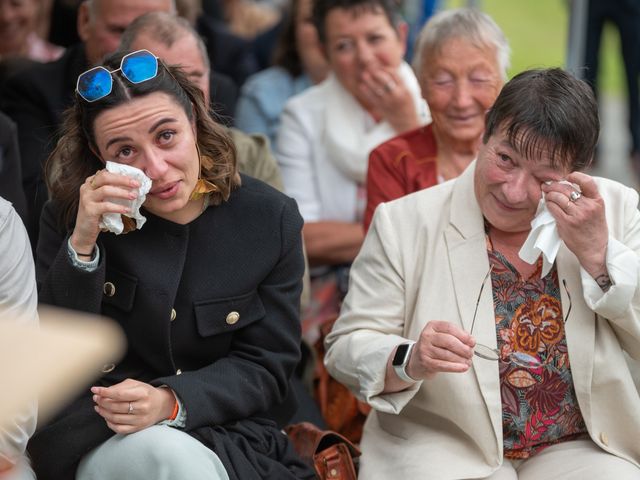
131 406
580 218
390 98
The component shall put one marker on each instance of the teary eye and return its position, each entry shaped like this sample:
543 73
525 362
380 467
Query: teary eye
166 136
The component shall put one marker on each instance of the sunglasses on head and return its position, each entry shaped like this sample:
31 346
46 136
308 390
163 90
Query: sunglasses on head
97 83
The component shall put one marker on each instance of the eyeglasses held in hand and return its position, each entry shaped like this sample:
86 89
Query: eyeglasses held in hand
97 83
519 358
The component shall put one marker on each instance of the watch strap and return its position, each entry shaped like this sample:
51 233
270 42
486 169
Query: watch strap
401 370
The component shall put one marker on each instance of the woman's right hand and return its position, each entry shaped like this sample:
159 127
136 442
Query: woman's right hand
441 347
392 101
95 195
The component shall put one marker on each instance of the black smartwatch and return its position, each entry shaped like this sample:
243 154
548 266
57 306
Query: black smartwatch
400 361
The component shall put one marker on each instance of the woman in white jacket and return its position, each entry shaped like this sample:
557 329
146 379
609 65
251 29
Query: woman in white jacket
328 131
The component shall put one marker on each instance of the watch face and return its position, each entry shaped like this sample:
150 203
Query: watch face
401 353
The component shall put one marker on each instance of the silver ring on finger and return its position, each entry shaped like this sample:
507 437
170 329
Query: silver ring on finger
390 85
574 195
130 412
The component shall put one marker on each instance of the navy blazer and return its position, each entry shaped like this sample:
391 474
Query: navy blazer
210 309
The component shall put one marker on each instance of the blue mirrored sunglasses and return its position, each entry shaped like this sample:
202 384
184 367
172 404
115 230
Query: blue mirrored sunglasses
137 67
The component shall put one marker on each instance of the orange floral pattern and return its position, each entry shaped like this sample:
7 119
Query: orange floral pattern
539 406
537 324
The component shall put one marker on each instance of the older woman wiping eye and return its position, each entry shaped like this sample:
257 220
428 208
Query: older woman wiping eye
479 361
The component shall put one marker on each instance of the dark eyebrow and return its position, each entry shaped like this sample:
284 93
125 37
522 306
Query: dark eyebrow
116 140
151 130
161 122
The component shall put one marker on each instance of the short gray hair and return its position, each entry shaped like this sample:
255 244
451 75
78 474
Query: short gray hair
163 28
466 23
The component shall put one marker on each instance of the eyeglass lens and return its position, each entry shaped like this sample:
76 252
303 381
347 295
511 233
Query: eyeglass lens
139 66
136 67
519 358
94 84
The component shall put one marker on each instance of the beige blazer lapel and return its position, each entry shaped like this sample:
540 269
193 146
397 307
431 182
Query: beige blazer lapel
466 246
579 329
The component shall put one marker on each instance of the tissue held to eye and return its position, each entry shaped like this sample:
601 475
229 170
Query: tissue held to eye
113 222
153 134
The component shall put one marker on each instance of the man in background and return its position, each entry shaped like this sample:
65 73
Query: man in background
173 40
36 97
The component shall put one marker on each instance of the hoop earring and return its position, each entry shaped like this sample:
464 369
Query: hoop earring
203 186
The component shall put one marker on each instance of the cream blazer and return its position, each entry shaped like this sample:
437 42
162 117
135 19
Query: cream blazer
424 259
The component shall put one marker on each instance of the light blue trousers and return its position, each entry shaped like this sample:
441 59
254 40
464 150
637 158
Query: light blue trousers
22 471
158 452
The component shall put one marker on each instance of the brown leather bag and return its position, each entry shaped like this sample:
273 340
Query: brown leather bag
331 455
341 410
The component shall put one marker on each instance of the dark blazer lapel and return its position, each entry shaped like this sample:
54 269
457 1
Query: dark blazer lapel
466 245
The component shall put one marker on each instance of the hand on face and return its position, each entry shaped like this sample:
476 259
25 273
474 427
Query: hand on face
384 90
581 221
442 347
96 195
131 406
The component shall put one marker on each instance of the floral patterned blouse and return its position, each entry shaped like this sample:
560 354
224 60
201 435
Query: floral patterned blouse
539 405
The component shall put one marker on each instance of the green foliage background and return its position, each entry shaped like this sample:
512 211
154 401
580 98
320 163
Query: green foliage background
538 30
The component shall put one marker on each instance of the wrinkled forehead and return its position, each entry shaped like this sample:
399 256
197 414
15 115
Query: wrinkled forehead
535 146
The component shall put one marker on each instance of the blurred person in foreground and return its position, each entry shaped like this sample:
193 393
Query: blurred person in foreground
211 320
19 301
481 357
461 62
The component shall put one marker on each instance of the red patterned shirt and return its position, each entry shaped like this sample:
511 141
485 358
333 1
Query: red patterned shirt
539 405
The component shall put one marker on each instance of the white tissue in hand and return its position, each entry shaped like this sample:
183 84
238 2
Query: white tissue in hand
543 239
113 221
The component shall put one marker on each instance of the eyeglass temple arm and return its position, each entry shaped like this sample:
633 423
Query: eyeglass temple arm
566 289
475 311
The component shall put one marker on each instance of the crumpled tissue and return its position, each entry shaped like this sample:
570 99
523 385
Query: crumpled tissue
113 221
543 238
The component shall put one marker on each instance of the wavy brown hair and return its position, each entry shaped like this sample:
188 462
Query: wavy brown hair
73 159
